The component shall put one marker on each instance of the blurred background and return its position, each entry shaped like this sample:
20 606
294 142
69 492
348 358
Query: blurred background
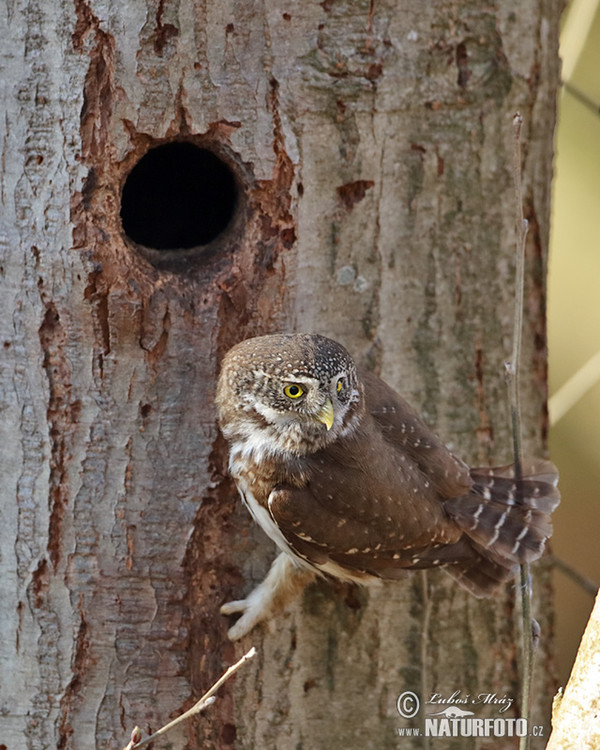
574 322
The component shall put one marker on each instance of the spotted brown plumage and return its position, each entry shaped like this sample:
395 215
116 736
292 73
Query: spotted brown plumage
346 479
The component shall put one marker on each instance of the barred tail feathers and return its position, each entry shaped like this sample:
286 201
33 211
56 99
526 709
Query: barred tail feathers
506 520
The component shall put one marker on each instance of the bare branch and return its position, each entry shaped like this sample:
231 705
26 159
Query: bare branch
574 389
207 699
588 586
512 378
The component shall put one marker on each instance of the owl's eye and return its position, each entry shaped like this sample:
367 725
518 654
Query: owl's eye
293 390
339 385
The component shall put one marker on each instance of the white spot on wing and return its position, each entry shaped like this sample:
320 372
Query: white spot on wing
497 528
476 516
518 541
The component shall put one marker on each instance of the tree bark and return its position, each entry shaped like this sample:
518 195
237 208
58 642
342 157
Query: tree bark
575 714
371 146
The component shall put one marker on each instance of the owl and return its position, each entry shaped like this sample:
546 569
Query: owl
348 482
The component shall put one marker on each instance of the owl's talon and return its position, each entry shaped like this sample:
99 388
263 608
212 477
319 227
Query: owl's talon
233 608
241 628
250 616
284 581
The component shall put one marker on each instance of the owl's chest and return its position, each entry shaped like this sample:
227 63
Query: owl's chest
256 469
255 480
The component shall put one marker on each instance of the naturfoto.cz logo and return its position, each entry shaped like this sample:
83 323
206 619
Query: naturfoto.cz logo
450 717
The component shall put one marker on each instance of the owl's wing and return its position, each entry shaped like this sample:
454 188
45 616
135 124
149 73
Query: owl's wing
402 428
364 508
350 548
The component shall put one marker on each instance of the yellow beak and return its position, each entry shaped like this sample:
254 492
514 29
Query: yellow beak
326 414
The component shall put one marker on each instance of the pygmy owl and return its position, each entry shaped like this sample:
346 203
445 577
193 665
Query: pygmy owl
348 481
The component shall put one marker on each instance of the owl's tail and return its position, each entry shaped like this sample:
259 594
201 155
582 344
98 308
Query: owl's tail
505 522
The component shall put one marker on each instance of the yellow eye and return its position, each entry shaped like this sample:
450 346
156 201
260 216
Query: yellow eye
293 390
339 385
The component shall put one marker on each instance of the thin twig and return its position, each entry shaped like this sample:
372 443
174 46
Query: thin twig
574 389
197 708
588 586
512 368
512 376
425 636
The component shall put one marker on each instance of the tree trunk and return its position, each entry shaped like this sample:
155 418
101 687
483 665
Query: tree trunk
369 145
575 714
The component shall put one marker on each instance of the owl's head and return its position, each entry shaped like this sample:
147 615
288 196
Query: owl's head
291 393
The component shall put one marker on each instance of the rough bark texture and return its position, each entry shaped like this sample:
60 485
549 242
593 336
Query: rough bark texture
372 145
575 714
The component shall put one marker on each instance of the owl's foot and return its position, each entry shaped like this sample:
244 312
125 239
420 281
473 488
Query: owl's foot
251 611
284 581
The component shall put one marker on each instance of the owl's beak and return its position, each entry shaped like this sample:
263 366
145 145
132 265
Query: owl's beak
326 414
